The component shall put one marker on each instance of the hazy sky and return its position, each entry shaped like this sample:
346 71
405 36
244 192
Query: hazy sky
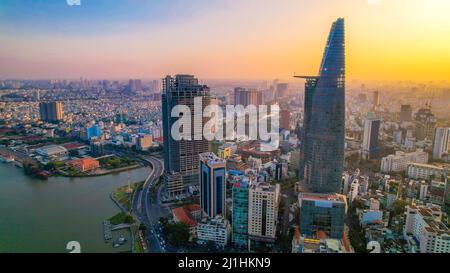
221 39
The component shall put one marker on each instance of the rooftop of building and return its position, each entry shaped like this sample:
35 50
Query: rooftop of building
184 214
432 217
86 160
241 181
211 159
265 187
74 145
426 166
227 145
402 154
322 197
219 221
52 149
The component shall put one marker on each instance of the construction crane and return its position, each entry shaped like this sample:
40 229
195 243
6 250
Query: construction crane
430 99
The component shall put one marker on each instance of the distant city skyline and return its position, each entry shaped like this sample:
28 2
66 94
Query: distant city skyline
388 40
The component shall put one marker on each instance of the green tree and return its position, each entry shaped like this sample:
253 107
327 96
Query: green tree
142 227
210 245
357 204
398 207
177 234
128 219
30 167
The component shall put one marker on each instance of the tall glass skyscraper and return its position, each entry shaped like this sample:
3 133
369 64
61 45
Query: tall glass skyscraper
371 145
181 158
322 160
51 111
240 213
212 184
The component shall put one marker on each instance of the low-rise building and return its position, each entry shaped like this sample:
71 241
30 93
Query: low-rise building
85 164
399 162
302 244
322 214
226 150
52 152
188 215
144 142
215 230
425 224
370 217
425 171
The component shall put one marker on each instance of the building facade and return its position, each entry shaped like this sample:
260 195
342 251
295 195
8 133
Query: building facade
85 164
181 159
215 230
425 123
425 171
425 224
322 213
51 111
240 213
212 184
324 118
246 97
371 146
441 144
399 162
263 212
144 142
406 113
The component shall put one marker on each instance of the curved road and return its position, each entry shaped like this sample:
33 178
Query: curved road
150 212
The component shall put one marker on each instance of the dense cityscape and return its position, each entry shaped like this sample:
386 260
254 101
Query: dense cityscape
360 167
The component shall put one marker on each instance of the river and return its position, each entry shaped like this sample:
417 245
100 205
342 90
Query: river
43 216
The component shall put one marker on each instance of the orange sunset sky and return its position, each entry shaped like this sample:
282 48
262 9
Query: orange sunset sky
222 39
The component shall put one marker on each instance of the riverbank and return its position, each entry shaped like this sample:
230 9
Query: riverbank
42 216
101 173
124 196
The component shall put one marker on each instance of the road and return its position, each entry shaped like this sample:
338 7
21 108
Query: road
149 208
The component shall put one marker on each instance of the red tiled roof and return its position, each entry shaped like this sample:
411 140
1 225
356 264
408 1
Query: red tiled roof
297 234
73 145
321 234
183 215
192 208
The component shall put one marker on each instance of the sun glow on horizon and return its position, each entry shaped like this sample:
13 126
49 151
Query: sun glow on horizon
386 40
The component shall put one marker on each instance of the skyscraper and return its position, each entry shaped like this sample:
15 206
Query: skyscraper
212 184
282 89
324 118
51 111
263 206
285 119
181 158
376 99
371 147
406 113
240 213
135 85
425 122
246 97
441 144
